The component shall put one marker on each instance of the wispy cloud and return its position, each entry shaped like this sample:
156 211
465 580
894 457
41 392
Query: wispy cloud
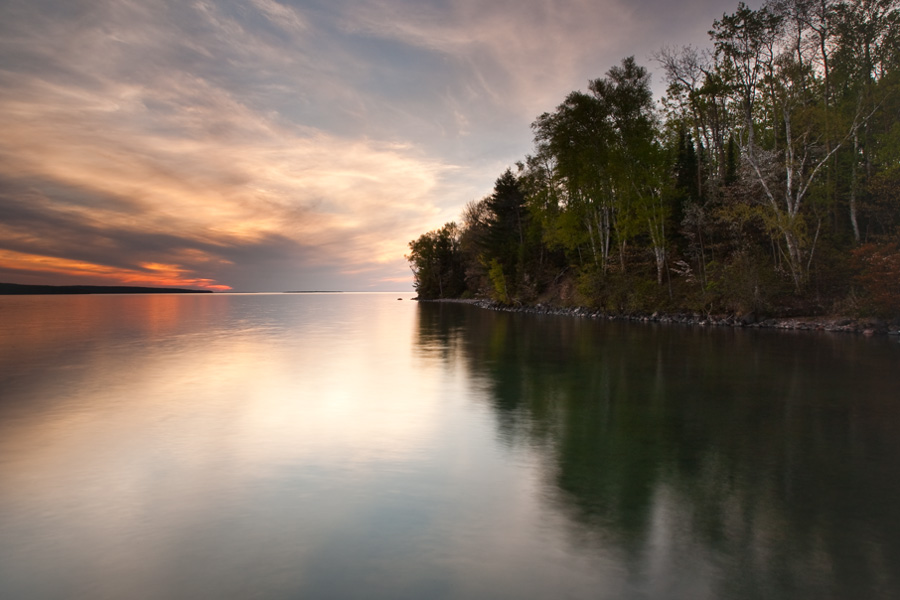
231 178
271 144
117 163
515 54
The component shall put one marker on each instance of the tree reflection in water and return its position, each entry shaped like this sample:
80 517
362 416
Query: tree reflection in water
766 463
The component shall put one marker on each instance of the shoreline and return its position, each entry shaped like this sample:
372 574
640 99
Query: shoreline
867 326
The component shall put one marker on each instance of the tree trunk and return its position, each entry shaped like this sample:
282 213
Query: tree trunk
854 186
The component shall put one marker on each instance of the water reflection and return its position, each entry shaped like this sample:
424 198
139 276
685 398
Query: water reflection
292 446
715 463
214 446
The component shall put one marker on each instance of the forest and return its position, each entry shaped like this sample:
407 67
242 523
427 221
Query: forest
766 180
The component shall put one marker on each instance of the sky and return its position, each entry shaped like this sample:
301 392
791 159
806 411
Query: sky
275 145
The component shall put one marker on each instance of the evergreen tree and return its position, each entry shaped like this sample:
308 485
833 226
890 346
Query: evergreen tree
505 244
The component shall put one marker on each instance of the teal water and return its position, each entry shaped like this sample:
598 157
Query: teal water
357 446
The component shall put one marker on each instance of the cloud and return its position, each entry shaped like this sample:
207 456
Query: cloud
282 16
256 142
209 171
513 50
522 57
114 172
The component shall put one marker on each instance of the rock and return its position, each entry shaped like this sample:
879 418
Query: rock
873 324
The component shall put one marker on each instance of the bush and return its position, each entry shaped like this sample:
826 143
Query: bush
498 282
878 267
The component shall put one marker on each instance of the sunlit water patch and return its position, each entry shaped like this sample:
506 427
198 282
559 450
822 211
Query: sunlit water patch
357 446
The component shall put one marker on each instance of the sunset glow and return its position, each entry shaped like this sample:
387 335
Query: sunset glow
268 145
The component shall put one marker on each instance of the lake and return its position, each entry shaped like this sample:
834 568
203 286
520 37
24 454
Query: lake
357 446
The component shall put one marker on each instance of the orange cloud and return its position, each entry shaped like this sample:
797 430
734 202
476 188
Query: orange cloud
264 179
155 275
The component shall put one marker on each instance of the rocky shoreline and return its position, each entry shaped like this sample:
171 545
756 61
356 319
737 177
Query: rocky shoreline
863 326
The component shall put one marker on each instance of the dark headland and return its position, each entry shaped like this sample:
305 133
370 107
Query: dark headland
17 289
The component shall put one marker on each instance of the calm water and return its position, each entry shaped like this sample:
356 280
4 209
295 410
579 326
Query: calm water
354 446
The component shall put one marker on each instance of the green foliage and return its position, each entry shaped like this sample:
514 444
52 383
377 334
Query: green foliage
498 282
436 263
780 155
631 292
507 225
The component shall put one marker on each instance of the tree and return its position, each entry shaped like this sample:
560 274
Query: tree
505 244
604 151
436 262
779 152
638 161
867 50
745 47
575 145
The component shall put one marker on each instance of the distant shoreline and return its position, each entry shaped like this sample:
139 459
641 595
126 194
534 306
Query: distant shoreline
18 289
